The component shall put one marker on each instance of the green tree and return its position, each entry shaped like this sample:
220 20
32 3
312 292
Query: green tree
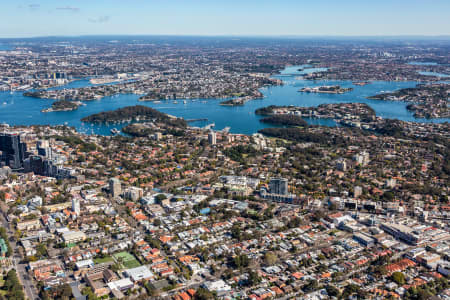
159 198
399 278
332 291
203 294
270 258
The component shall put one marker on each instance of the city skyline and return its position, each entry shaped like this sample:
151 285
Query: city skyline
233 18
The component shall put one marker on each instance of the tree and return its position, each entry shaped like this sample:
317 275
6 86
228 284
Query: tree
151 291
270 258
160 197
332 291
388 196
236 232
87 291
41 250
13 286
253 278
352 289
241 261
399 278
294 222
203 294
66 290
311 286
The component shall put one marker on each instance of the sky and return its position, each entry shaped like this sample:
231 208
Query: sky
19 18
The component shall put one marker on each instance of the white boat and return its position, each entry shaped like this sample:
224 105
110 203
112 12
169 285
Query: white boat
114 131
184 101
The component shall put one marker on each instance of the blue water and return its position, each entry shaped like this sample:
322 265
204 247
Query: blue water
418 63
15 109
79 83
295 70
433 74
5 47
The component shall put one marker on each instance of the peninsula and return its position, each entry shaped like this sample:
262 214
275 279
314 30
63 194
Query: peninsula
135 113
287 120
426 100
349 114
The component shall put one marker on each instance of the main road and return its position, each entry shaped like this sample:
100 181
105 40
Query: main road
20 268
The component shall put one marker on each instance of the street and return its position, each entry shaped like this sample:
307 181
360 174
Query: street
20 268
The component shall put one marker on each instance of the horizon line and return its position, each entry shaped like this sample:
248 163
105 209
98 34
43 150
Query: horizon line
409 36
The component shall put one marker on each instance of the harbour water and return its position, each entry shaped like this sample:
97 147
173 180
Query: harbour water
15 109
423 63
433 74
5 47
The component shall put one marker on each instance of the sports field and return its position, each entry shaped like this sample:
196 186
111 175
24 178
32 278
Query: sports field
128 260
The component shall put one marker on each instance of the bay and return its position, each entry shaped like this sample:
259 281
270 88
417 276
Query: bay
5 47
16 109
433 74
425 63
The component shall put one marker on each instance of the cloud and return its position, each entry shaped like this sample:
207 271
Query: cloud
102 19
69 8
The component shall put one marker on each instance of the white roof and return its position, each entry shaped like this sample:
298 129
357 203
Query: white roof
120 284
139 273
84 263
62 229
218 285
69 235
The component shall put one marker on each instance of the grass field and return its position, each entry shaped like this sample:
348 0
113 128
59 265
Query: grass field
103 260
128 260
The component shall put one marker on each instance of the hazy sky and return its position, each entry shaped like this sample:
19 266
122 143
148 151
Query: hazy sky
20 18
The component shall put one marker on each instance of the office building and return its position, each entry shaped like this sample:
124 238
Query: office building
357 191
157 136
115 187
278 186
39 165
401 232
133 193
364 239
70 237
361 158
12 150
341 165
212 138
44 149
35 164
76 205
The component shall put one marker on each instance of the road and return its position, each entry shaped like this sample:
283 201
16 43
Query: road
20 268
